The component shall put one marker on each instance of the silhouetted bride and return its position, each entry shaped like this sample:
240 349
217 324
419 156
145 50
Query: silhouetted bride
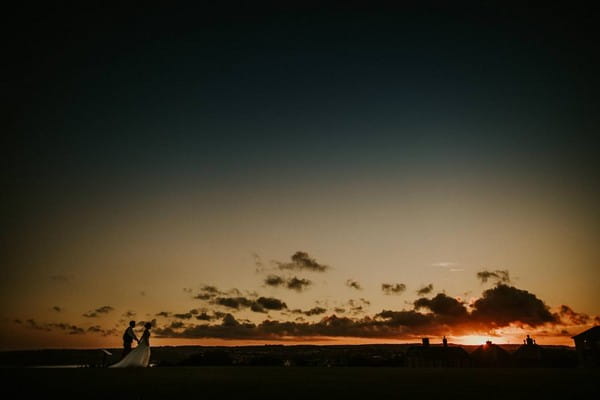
140 356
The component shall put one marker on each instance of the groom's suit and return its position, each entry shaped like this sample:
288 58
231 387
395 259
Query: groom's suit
128 338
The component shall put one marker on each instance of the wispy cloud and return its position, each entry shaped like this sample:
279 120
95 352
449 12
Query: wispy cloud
497 276
444 264
98 311
351 283
393 288
425 290
292 283
301 261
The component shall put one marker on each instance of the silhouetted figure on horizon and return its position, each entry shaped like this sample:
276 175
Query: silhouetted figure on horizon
529 341
128 338
445 341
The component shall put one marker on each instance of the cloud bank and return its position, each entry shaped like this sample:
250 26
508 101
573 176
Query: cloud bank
500 306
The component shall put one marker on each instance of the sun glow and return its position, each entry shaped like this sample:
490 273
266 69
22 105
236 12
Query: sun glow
472 339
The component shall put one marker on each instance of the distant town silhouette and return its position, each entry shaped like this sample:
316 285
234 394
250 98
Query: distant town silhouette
423 355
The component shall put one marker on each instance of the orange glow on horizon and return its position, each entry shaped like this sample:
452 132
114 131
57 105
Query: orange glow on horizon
473 339
466 340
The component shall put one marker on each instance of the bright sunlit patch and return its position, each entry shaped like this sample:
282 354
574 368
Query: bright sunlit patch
472 339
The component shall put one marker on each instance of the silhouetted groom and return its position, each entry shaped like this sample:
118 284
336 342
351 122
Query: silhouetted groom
128 338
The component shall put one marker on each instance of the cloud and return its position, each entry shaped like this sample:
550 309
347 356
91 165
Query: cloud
68 328
302 261
393 288
32 324
165 314
187 315
444 264
209 292
356 307
293 283
48 327
129 314
274 280
176 325
57 308
503 304
386 324
98 311
405 318
425 290
351 283
313 311
443 305
95 329
142 293
573 317
270 303
260 267
261 304
298 284
498 307
102 331
204 316
497 276
233 302
211 289
187 290
142 323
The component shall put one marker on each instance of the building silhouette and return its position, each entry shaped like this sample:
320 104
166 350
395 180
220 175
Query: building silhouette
529 354
587 345
491 355
533 355
436 356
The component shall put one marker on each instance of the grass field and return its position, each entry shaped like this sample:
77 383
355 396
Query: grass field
302 383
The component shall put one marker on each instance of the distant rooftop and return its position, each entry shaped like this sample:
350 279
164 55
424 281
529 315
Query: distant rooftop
590 333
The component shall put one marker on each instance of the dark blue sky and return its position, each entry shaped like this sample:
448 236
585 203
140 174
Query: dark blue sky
102 99
106 91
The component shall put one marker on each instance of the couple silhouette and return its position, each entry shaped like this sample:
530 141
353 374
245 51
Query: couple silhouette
140 355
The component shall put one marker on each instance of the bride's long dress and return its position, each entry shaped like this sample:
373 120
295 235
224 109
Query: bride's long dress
138 357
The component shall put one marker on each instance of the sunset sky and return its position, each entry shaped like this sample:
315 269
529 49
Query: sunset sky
244 175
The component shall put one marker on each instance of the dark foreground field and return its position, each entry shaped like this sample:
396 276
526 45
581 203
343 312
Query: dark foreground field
301 383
